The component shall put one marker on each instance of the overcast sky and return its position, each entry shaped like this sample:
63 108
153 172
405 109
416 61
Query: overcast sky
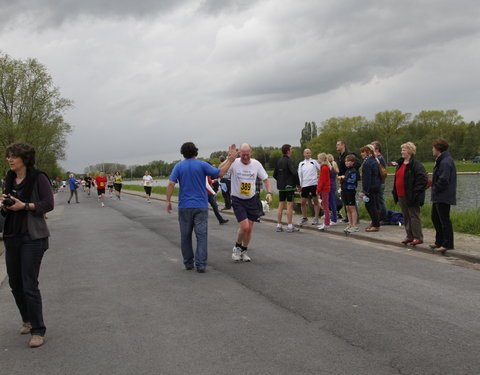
148 75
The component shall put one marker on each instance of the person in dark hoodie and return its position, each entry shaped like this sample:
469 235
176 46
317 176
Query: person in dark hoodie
287 181
27 197
444 190
370 186
409 190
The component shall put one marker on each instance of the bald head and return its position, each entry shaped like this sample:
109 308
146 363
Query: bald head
307 153
245 153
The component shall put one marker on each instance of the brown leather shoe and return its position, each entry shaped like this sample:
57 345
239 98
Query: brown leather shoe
26 327
36 341
433 245
372 229
442 249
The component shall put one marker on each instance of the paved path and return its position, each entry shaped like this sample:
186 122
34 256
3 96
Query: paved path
467 247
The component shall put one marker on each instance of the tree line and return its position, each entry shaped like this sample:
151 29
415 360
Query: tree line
390 128
31 110
393 128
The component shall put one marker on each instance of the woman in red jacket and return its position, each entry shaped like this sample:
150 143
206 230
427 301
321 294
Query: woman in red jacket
323 188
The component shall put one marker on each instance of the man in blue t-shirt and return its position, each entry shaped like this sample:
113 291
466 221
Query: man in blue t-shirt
193 202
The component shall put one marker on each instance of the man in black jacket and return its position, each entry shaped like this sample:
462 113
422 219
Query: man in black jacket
444 190
287 181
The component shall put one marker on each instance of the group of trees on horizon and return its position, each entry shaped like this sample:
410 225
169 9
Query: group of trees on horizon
31 110
390 128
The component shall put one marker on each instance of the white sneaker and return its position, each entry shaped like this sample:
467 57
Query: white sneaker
278 229
323 227
347 228
353 229
315 221
303 220
236 254
245 257
333 223
103 204
292 229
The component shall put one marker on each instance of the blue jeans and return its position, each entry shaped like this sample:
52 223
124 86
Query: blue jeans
23 257
194 219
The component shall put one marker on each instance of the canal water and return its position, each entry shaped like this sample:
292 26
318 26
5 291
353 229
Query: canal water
468 186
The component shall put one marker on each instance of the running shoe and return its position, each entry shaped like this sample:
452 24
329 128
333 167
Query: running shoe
292 229
315 221
347 228
323 227
237 254
333 223
303 221
278 229
353 229
245 257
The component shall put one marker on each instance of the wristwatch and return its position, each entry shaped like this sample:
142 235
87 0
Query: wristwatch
26 208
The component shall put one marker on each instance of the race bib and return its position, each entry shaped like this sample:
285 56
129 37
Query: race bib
245 188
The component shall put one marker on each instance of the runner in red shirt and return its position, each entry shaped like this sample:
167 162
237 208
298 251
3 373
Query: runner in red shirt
101 183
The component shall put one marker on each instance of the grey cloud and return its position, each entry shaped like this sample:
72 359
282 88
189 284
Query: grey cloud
51 13
351 46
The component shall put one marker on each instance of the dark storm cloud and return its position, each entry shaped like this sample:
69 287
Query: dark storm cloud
51 13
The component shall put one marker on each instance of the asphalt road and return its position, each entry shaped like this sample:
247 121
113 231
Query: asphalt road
118 301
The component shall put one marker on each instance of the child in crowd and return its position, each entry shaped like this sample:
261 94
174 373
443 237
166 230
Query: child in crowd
323 188
349 186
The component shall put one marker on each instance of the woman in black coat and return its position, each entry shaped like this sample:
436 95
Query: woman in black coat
444 190
409 190
28 196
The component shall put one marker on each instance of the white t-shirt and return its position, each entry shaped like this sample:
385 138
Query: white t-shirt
147 180
243 177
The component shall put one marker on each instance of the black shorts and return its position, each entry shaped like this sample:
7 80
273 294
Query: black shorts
100 191
246 208
348 197
118 187
148 190
286 196
309 191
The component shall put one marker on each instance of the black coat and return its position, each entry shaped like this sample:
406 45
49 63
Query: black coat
415 181
285 173
444 180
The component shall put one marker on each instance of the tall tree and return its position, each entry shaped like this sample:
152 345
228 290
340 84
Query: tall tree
387 125
31 110
309 132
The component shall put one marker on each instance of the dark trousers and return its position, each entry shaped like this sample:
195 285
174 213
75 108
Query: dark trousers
382 209
213 203
372 208
23 257
226 194
443 225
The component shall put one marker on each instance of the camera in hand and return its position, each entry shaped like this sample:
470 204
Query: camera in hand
7 202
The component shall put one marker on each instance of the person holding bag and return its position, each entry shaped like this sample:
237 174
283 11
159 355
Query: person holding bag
27 197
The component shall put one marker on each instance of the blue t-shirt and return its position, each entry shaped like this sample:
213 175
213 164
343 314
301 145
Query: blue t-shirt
191 173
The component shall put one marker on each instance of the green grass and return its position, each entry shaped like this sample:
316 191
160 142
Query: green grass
155 189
